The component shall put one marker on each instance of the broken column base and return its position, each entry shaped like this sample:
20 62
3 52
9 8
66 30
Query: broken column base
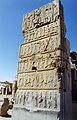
25 114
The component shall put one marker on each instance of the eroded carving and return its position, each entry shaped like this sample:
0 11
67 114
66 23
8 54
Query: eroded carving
40 99
43 59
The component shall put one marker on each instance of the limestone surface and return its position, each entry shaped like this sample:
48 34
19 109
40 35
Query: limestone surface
44 83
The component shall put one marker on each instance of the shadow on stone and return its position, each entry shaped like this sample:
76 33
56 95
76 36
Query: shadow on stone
7 116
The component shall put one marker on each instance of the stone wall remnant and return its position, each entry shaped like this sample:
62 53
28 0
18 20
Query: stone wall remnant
43 80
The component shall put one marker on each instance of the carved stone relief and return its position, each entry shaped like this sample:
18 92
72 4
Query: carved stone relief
43 59
45 45
40 17
39 80
39 33
40 62
40 99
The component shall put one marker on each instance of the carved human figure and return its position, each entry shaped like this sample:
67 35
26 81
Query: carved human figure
50 45
21 51
26 80
20 98
42 31
46 30
42 46
50 80
55 101
35 34
26 37
27 99
40 99
49 100
56 10
16 98
42 62
25 95
19 66
23 99
41 81
26 65
34 97
37 80
44 99
39 32
32 81
46 75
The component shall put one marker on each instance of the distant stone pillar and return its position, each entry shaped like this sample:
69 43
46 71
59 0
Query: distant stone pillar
6 91
2 91
10 88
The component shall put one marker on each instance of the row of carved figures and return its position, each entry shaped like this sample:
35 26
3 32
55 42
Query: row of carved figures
45 79
45 45
41 32
40 16
40 99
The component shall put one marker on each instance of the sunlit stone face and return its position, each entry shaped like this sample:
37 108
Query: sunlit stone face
43 61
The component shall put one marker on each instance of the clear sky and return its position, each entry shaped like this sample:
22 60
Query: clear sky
11 13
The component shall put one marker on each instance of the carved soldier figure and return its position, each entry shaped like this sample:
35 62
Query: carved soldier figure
40 99
49 100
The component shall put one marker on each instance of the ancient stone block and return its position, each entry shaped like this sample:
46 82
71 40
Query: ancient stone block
43 69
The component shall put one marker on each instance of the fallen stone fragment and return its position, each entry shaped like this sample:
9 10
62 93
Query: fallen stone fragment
4 108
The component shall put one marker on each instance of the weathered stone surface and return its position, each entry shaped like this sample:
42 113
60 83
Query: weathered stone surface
43 81
35 100
39 80
39 17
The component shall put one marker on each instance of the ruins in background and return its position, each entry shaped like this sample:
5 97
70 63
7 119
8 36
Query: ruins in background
5 88
44 73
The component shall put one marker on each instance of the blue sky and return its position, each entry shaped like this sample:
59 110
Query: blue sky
11 13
